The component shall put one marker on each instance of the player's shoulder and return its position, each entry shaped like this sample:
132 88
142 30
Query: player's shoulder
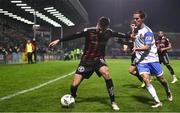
143 31
147 31
165 38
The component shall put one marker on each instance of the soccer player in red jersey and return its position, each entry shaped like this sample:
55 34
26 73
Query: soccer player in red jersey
92 59
163 45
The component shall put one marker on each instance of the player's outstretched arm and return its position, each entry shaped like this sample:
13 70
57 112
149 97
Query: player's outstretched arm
70 37
54 42
119 34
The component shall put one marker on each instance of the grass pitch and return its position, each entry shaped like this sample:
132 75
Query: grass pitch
92 93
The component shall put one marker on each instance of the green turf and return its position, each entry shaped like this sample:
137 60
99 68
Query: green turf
92 93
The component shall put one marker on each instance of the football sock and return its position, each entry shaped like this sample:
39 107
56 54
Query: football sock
170 69
73 90
110 88
152 91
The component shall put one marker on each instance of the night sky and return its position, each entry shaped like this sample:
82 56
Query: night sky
162 14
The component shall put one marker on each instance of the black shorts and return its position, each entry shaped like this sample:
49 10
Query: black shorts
164 58
87 68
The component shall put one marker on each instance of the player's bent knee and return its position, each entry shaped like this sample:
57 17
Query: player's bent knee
104 70
132 70
105 74
77 79
146 79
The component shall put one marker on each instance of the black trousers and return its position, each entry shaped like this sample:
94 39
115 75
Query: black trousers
29 55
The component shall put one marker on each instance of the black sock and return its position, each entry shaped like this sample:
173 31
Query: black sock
73 91
170 69
138 76
110 88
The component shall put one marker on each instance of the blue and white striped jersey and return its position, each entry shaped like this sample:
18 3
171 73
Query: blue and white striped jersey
143 37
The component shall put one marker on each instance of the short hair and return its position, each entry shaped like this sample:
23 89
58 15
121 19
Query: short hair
142 14
104 21
161 31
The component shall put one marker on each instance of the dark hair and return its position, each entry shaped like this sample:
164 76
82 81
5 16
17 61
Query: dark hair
104 21
142 14
161 31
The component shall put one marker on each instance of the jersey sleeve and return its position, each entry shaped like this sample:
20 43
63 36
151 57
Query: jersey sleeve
75 36
148 38
119 34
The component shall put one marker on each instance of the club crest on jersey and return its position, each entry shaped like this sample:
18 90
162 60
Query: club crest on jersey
149 37
81 69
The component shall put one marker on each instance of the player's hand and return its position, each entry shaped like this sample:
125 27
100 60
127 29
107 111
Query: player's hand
54 42
162 50
133 50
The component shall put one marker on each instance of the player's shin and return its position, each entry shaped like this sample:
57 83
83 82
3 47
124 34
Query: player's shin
170 69
110 88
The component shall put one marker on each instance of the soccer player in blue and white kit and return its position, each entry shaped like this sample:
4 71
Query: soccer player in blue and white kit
147 58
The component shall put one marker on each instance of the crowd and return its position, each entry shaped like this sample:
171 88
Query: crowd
13 39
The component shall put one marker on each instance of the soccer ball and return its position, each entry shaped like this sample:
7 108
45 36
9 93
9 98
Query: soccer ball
67 100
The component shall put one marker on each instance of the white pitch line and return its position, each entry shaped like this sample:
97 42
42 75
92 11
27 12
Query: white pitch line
34 88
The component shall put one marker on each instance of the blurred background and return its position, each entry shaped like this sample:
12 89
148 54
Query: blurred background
42 21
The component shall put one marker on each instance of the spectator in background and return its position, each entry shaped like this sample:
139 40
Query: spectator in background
34 53
9 59
3 52
29 50
15 55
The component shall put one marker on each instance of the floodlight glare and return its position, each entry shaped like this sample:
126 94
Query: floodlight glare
52 10
26 7
21 4
16 1
48 8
